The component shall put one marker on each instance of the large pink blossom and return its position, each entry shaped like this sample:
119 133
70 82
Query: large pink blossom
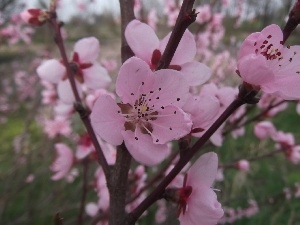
146 45
87 70
149 115
198 201
265 63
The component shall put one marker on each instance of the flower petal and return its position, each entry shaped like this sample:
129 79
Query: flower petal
185 51
106 120
134 74
88 49
259 74
285 87
170 88
203 208
172 123
143 150
65 92
204 170
203 110
96 77
142 39
51 70
196 73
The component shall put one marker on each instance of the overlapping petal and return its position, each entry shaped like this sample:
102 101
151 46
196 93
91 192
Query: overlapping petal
141 39
96 77
51 70
172 123
134 77
88 49
107 121
143 150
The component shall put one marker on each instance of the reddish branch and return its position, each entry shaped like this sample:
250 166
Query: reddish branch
254 118
186 17
117 183
84 114
293 21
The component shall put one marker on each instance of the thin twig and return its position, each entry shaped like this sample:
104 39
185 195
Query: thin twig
252 159
255 118
185 18
84 114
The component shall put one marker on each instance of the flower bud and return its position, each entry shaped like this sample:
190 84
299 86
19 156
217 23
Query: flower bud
35 17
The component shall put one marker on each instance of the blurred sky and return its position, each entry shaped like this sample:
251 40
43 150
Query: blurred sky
69 8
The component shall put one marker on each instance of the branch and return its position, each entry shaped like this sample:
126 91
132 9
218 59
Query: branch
255 118
185 18
293 21
84 114
252 159
117 183
118 186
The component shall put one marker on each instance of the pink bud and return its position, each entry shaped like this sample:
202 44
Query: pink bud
243 165
35 17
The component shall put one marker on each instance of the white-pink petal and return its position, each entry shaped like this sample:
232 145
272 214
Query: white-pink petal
204 170
196 73
142 39
65 92
87 49
51 70
96 77
185 51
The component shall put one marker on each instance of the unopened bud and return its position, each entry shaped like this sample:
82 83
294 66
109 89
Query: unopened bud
35 17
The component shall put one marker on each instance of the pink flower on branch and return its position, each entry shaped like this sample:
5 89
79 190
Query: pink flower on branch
266 64
198 202
145 44
63 162
149 115
86 70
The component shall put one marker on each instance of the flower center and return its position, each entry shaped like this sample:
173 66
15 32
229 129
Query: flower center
184 194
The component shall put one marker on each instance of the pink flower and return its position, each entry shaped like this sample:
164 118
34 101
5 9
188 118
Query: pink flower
293 154
274 68
198 202
204 13
63 161
243 165
84 147
88 72
57 126
146 45
149 115
264 129
91 209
